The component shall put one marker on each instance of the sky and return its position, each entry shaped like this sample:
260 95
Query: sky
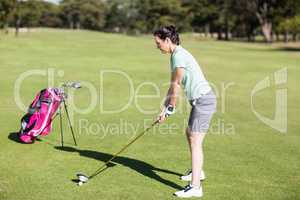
53 1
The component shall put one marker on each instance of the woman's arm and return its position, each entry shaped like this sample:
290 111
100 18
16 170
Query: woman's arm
173 91
174 88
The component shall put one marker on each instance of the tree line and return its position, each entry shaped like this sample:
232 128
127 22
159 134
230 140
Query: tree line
227 19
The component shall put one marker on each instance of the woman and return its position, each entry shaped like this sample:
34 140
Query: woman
186 71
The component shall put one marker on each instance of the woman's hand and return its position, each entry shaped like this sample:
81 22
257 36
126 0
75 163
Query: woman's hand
166 112
162 116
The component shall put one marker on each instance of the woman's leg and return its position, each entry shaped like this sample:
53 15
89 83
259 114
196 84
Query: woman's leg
187 132
196 141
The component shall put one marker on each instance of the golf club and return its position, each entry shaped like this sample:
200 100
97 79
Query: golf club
84 178
72 84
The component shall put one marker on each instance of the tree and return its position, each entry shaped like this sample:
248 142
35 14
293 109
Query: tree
244 23
26 14
135 16
125 16
6 8
50 15
159 13
88 14
201 14
284 14
292 26
265 12
92 14
31 11
225 21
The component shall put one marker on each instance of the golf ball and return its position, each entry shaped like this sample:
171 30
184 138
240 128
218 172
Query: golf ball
80 183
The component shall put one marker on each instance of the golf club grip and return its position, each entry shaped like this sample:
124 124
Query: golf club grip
125 147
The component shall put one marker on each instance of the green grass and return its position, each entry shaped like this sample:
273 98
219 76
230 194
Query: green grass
244 160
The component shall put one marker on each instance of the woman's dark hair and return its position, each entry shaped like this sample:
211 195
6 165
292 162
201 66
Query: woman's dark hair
168 32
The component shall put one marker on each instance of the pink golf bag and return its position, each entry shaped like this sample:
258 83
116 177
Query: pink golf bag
38 120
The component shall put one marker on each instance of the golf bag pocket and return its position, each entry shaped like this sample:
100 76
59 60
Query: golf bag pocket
38 120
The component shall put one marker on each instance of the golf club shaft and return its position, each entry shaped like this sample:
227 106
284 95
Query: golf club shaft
61 127
70 124
125 147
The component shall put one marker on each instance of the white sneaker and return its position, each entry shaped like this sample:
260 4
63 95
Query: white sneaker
189 191
188 176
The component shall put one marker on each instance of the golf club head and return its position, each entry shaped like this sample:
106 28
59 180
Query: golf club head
82 178
72 84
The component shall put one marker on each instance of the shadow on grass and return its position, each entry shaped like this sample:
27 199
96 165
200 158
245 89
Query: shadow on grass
14 136
290 49
141 167
273 49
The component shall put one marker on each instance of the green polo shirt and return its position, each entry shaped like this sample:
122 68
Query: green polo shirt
193 81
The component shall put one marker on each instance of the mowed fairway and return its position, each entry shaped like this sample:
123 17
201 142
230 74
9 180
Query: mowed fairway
244 158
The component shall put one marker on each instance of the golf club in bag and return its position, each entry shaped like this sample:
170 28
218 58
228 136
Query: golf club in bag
82 178
43 110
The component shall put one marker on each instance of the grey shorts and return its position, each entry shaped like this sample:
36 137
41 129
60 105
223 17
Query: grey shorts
202 111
